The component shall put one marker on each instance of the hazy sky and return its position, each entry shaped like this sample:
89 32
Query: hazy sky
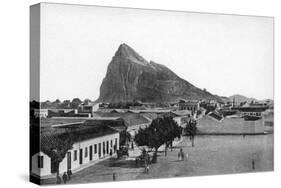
225 54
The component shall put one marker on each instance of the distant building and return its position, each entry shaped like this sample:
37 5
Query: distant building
133 121
252 111
148 104
215 115
155 111
189 105
89 107
62 112
181 117
255 111
91 144
41 113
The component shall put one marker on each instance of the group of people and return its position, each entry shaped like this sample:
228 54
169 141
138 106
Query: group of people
146 158
65 177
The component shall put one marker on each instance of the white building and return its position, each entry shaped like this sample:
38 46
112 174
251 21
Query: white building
41 113
90 108
86 150
192 105
181 117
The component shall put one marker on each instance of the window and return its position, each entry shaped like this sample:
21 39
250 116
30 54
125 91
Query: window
40 160
91 152
95 148
107 147
75 155
99 149
103 147
86 152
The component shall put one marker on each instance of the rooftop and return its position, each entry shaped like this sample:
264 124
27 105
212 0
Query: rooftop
129 118
182 112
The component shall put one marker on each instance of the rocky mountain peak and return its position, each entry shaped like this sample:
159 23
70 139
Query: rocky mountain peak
130 77
125 52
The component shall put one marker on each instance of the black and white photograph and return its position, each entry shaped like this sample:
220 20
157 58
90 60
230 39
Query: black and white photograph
119 94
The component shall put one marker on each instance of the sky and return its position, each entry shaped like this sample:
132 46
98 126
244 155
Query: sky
225 54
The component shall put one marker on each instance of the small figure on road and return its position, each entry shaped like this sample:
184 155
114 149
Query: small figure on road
64 177
186 156
132 145
181 155
146 166
58 179
114 177
69 174
146 162
166 148
253 164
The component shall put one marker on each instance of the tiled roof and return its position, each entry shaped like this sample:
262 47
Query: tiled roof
216 115
251 109
47 122
129 118
182 112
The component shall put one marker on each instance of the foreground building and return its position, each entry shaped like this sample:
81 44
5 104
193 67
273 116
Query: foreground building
90 144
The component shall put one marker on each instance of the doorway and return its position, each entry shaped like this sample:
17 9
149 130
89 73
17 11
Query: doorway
68 160
91 153
81 156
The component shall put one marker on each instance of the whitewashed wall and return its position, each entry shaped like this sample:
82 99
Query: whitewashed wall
46 170
86 144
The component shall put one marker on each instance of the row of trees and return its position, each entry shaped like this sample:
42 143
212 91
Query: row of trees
74 103
162 130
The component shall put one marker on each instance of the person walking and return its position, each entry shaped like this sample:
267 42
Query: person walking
146 166
69 174
146 162
64 177
186 156
253 164
114 177
181 155
58 179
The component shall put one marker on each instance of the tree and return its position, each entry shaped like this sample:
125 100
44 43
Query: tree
161 131
125 137
65 104
75 102
58 149
87 101
191 130
57 101
172 130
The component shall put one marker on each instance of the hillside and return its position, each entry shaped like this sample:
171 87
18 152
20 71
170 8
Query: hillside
131 77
